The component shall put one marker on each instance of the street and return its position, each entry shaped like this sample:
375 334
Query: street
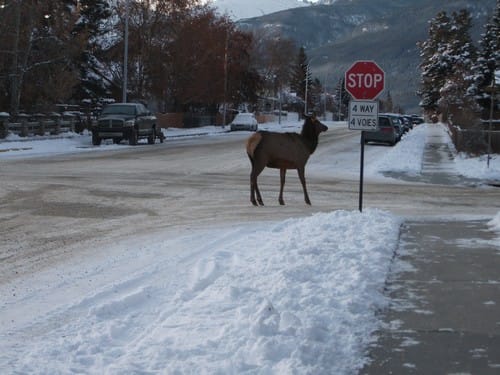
54 207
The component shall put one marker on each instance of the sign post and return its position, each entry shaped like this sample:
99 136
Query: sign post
364 80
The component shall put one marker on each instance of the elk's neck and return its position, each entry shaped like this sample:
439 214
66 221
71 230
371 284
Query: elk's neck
310 139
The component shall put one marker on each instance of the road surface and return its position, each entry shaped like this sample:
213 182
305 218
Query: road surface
53 208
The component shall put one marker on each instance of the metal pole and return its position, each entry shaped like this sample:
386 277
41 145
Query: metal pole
340 98
125 53
224 110
324 93
361 170
279 116
307 84
15 72
492 99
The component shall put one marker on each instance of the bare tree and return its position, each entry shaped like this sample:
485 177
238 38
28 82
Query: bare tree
272 55
39 51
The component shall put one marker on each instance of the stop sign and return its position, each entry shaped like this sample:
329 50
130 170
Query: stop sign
364 80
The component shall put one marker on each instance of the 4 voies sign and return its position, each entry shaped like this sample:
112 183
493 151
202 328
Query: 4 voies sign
363 115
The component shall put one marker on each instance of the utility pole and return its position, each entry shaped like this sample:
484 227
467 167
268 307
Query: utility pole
15 72
492 101
125 53
340 98
224 110
307 85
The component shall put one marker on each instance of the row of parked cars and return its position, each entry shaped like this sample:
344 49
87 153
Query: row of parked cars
391 127
132 121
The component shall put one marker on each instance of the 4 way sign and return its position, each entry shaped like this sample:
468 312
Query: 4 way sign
363 115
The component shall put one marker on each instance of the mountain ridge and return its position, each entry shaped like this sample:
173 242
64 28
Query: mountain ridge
386 31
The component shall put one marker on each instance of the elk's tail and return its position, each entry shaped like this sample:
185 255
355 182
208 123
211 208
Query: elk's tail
252 143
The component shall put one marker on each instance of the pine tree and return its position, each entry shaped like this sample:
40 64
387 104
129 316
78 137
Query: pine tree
435 66
459 54
342 98
487 63
314 96
387 105
300 74
447 59
92 24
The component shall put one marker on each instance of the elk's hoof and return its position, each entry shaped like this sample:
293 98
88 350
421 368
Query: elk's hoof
261 203
282 202
254 202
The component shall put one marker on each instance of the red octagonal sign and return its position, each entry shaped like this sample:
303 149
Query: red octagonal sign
364 80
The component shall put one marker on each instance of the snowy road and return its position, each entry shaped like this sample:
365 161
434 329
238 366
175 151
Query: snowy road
151 259
54 206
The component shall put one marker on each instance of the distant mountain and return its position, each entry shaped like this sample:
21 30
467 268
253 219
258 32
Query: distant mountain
241 9
385 31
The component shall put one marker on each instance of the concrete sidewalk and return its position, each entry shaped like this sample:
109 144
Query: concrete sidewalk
444 287
444 316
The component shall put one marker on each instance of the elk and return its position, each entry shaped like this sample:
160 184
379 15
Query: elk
282 151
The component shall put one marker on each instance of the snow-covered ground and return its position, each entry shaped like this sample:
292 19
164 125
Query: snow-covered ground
293 297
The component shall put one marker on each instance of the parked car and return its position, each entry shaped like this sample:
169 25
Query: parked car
388 131
416 120
398 122
408 122
130 121
244 121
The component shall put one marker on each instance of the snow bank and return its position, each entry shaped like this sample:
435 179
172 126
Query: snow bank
406 156
298 296
495 222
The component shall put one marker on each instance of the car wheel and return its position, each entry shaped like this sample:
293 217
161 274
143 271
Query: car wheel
117 140
96 141
151 137
132 138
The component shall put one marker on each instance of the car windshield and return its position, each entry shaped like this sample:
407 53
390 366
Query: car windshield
119 110
383 121
246 118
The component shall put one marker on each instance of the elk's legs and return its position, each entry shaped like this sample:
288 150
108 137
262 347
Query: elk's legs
254 187
302 178
282 185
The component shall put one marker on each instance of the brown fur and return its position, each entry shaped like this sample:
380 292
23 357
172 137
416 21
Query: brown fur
252 143
282 151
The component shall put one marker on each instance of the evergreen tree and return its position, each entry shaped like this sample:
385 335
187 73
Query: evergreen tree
387 105
487 63
314 96
459 54
300 75
447 58
342 98
92 24
435 66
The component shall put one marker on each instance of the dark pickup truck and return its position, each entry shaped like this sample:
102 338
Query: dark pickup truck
130 121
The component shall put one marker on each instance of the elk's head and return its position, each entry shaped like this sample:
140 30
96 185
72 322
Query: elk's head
313 127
